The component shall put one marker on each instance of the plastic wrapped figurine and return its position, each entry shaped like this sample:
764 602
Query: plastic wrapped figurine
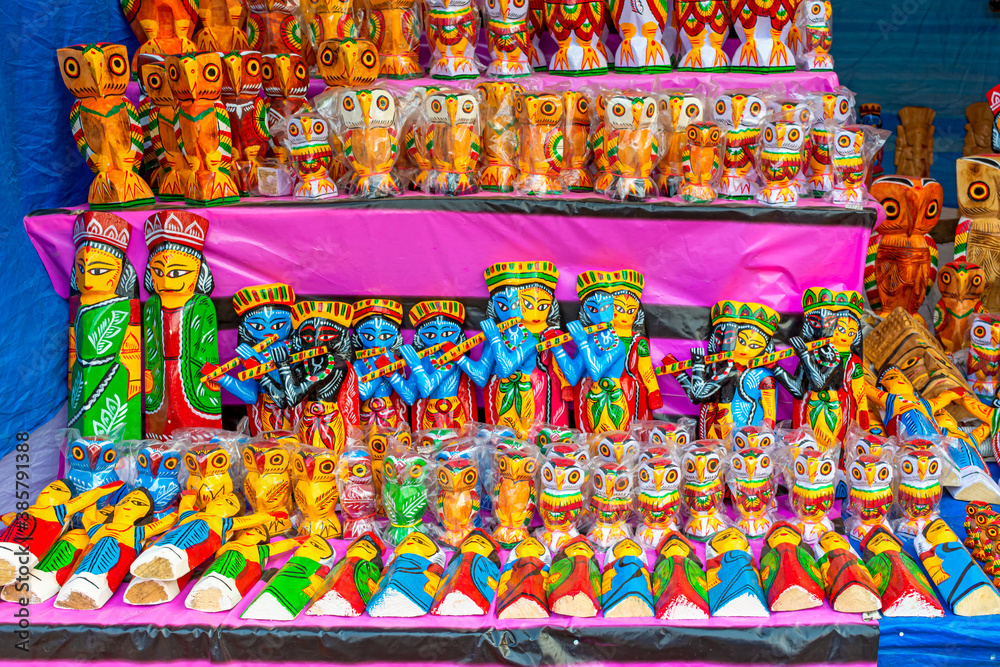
852 150
625 587
734 587
332 20
837 110
679 584
658 500
500 135
751 482
316 492
222 26
286 86
273 28
574 583
289 591
457 502
92 462
352 581
813 19
521 592
508 37
631 144
870 481
398 36
516 494
780 159
561 501
677 110
578 31
348 62
703 26
701 467
963 586
369 132
871 114
539 142
577 144
355 483
641 26
979 225
452 34
404 494
701 161
919 472
248 124
849 585
416 162
453 133
614 447
983 364
410 580
210 470
740 114
903 588
811 478
307 140
162 26
611 504
763 29
469 584
105 124
977 516
267 486
961 286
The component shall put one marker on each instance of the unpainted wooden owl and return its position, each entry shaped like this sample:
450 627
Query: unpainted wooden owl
540 141
157 470
701 158
348 62
961 285
979 186
453 140
983 365
208 468
369 138
316 495
977 238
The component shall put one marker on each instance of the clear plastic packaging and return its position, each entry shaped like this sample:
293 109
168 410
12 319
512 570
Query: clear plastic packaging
740 113
631 143
870 493
540 142
450 124
701 161
704 482
811 477
611 503
500 136
854 147
545 436
614 446
814 19
702 30
750 476
307 139
747 437
677 110
456 493
417 170
368 126
579 34
561 500
452 35
267 485
921 467
508 39
654 432
514 490
332 21
577 146
780 151
314 473
796 106
834 108
658 498
983 363
356 484
157 467
405 476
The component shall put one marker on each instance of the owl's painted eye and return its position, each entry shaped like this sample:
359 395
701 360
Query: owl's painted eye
844 141
143 461
191 463
765 462
605 450
650 110
582 105
932 209
78 453
547 474
689 465
883 474
816 9
621 483
907 467
720 106
793 134
573 477
300 71
826 468
467 106
845 106
377 445
174 73
71 68
713 465
715 136
368 58
118 65
219 460
692 110
267 71
891 207
326 467
946 278
548 108
382 103
977 281
979 191
154 81
769 134
979 331
326 57
529 467
212 72
856 474
504 465
348 103
253 67
755 108
416 471
692 134
359 470
318 128
470 476
671 476
170 463
618 109
299 468
277 459
933 467
738 464
644 475
248 458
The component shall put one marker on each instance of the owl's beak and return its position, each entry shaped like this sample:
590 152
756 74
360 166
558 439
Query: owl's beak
261 459
365 100
813 465
781 132
283 67
189 67
751 467
859 141
676 104
739 104
451 103
307 128
94 453
658 477
154 465
95 63
619 452
829 104
636 114
922 464
700 465
870 475
560 479
234 66
995 335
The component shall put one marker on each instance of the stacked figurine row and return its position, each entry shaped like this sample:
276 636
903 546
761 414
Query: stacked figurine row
654 37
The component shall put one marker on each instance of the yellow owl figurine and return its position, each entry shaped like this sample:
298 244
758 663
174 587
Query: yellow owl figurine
348 62
415 139
632 145
779 160
515 494
208 467
315 473
105 124
578 147
267 485
369 135
203 127
396 33
333 20
453 136
457 497
677 110
499 140
701 160
961 285
540 142
173 171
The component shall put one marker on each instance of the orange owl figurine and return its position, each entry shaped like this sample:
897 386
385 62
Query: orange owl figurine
415 139
701 161
242 80
632 145
961 286
577 147
173 172
332 19
677 110
902 256
499 140
369 130
203 127
273 27
286 85
540 142
150 167
347 62
105 124
977 238
702 29
163 27
222 26
453 140
395 29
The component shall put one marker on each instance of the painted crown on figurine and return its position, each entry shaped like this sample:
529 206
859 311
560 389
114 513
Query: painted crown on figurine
815 298
426 310
334 311
745 313
630 281
506 274
593 281
183 227
103 227
387 308
273 294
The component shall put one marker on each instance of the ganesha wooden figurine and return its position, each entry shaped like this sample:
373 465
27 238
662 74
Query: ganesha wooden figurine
641 26
508 37
578 30
540 142
961 286
977 239
105 124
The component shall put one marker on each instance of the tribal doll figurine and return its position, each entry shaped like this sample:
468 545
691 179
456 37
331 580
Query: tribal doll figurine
352 581
500 134
508 37
574 583
324 381
741 114
453 141
658 500
902 257
904 589
105 124
526 385
242 81
179 326
577 146
679 581
452 32
203 127
540 142
447 399
641 27
46 578
265 322
792 579
286 86
410 580
871 114
979 226
162 26
733 581
964 587
961 286
701 467
377 325
763 29
838 110
631 143
222 26
702 29
521 589
849 585
369 132
578 30
333 20
173 173
105 351
983 365
273 28
626 591
395 28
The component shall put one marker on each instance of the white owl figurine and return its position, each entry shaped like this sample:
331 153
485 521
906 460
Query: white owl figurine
307 139
610 504
870 494
751 482
812 491
561 501
615 447
919 494
779 161
740 114
701 468
658 499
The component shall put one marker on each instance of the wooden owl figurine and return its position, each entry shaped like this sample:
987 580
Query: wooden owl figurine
452 32
333 19
316 495
983 365
979 129
560 501
838 110
632 145
701 468
961 286
658 499
453 139
499 136
540 142
641 27
740 114
536 26
369 135
157 469
209 476
677 110
702 29
779 160
813 491
105 124
203 127
701 159
915 142
763 29
242 80
515 495
919 493
853 146
611 504
174 172
163 27
457 497
286 85
397 37
307 137
902 256
978 235
268 484
347 62
870 496
356 483
222 26
577 147
751 482
508 38
578 31
150 167
415 138
812 22
273 27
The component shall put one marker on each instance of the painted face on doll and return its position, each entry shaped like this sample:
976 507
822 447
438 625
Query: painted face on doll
226 505
175 275
478 544
376 332
132 508
881 543
97 274
833 540
676 547
626 309
255 535
438 330
316 332
600 307
536 305
266 320
580 549
894 382
507 304
750 344
844 334
362 549
730 539
56 493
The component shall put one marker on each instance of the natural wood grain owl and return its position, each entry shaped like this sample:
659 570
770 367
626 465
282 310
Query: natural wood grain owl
677 110
641 25
394 26
286 85
307 138
915 142
499 135
703 26
961 286
369 136
242 80
174 171
977 239
203 127
316 495
979 129
105 124
332 19
347 62
222 26
540 142
632 145
779 161
268 485
902 256
577 29
763 27
209 474
741 114
701 159
453 140
577 147
415 138
150 167
515 495
508 38
983 365
163 27
457 497
452 32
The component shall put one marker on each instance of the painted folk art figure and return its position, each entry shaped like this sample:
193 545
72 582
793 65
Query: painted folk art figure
267 486
352 581
469 584
237 568
903 588
983 365
763 29
792 580
902 257
113 546
173 172
326 385
105 124
701 159
849 585
540 140
158 467
274 28
677 110
853 146
222 26
447 399
508 38
46 578
370 137
209 467
780 159
733 582
658 500
356 486
315 492
307 139
516 494
578 31
611 504
452 32
870 481
162 26
919 494
203 127
179 326
417 156
521 591
625 586
701 467
977 515
964 587
561 501
286 86
871 114
574 582
631 145
347 62
105 351
979 226
915 142
333 20
458 500
641 27
837 110
753 488
703 26
411 579
578 146
813 19
961 286
679 583
265 314
290 590
404 495
394 26
500 135
453 141
813 491
740 114
377 326
149 168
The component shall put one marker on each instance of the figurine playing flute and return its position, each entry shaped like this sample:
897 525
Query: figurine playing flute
385 399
